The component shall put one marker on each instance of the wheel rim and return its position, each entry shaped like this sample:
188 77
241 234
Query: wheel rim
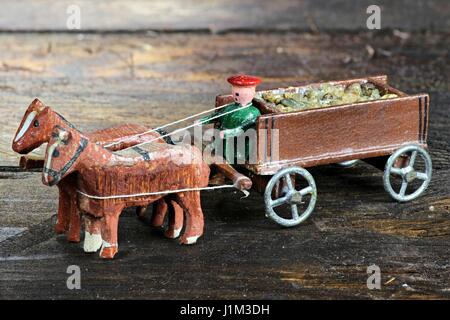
292 197
347 164
408 174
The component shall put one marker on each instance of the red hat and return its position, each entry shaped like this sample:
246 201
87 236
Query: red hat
244 80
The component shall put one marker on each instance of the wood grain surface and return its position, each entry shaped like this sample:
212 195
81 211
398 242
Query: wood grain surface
217 16
98 80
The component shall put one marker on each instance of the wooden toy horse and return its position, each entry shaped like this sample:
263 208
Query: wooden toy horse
109 181
35 129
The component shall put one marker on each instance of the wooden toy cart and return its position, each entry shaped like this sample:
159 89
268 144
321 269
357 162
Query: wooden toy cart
390 134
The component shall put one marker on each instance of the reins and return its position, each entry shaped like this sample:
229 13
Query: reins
83 145
158 129
226 186
177 130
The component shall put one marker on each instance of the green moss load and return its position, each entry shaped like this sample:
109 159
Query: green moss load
325 95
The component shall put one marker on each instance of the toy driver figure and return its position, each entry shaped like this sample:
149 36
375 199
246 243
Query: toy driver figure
233 124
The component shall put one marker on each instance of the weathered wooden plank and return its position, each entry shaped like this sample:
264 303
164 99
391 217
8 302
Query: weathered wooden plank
95 83
98 81
244 255
8 232
221 15
17 190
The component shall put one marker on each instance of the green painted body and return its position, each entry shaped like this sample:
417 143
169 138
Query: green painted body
233 124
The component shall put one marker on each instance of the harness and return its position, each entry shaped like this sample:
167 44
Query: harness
57 175
165 136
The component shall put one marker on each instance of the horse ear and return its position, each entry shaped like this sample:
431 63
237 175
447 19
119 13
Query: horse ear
65 136
61 134
37 105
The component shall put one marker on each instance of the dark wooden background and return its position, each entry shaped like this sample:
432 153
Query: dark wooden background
154 62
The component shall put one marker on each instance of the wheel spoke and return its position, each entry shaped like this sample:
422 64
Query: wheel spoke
406 159
278 202
291 197
403 189
421 176
412 159
294 211
307 190
287 177
396 171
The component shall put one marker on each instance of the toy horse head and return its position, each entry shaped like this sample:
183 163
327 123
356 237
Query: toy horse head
63 152
34 128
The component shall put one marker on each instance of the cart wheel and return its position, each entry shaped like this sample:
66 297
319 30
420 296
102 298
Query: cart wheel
291 197
407 172
347 164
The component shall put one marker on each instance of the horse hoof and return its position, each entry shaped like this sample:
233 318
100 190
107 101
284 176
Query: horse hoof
92 242
189 240
157 223
108 253
59 228
172 233
73 238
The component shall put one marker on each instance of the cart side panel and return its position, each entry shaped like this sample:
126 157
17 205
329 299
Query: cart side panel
334 134
223 99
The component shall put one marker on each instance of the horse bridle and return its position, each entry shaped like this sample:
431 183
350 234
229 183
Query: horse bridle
57 175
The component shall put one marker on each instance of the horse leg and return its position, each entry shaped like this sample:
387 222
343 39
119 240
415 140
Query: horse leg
158 215
175 220
62 223
161 208
92 233
159 212
74 215
140 211
190 202
110 222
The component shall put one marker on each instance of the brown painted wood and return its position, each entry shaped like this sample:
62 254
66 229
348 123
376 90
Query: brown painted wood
31 162
37 127
340 133
395 118
259 182
385 87
241 181
84 166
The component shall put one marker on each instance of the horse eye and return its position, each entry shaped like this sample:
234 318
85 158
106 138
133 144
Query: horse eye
55 153
36 123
